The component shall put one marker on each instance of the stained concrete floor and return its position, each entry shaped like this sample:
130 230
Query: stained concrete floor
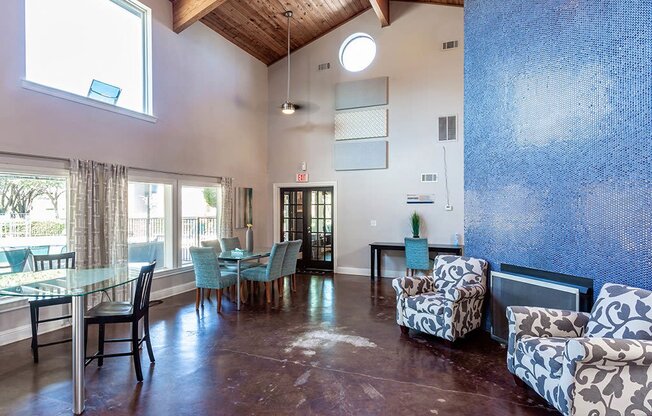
331 348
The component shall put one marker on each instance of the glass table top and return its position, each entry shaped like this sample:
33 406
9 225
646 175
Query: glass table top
65 282
244 255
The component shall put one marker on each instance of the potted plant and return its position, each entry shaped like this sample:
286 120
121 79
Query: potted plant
416 224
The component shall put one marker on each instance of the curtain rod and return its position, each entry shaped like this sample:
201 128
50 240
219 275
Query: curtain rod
61 159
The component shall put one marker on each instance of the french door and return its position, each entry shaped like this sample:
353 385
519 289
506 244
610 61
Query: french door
307 214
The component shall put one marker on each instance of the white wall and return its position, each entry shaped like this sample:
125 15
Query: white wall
424 82
210 98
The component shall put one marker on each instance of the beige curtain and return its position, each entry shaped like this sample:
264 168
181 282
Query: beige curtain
226 215
99 231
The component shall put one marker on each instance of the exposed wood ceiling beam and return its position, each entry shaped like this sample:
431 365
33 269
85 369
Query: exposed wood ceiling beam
187 12
381 7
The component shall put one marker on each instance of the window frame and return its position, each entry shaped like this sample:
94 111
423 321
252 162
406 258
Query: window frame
350 39
145 13
194 184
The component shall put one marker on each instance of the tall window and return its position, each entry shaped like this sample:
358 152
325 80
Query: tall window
150 224
32 216
200 206
92 48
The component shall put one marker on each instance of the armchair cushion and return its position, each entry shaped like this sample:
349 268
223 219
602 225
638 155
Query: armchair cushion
457 293
546 352
451 271
432 303
621 312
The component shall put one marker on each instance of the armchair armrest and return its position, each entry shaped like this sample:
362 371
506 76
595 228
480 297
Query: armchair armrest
458 293
605 376
610 351
542 322
412 286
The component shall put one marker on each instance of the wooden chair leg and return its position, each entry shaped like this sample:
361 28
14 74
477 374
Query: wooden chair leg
268 292
281 283
208 294
197 298
135 351
405 330
219 300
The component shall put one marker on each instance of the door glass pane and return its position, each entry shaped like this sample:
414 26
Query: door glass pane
286 211
313 225
300 197
329 226
313 211
329 211
328 196
286 198
320 211
321 197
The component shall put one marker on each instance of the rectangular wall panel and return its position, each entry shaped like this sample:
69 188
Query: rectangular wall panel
360 155
361 124
358 94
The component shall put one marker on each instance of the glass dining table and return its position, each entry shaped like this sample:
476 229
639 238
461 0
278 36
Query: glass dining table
240 256
76 284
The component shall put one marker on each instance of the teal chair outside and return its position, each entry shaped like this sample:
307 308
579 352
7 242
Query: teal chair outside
270 272
208 274
17 258
289 267
416 255
230 243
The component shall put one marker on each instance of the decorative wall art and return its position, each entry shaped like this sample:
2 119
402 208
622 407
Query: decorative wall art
244 212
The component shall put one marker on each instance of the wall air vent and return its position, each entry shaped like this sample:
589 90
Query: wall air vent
447 128
450 45
323 67
428 177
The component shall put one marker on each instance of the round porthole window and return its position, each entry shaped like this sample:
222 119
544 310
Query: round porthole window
357 52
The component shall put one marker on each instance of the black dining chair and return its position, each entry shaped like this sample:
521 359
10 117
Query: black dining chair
124 312
48 262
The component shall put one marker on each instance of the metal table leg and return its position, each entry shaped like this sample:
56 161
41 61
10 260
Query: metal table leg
78 354
238 287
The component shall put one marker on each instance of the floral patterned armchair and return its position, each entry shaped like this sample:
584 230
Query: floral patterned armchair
587 364
448 305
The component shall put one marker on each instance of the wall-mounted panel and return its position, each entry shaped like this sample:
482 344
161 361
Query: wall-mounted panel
359 94
360 155
361 124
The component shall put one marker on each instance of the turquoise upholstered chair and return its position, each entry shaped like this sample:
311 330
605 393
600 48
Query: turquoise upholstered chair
289 267
270 272
214 244
230 243
208 274
416 255
17 259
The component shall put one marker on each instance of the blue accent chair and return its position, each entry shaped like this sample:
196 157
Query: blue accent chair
416 255
17 259
208 274
230 243
270 272
289 267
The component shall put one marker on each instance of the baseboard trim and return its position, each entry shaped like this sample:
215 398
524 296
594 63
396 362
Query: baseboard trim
22 332
357 271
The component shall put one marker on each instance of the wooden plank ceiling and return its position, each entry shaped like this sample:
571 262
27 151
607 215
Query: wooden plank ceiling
260 28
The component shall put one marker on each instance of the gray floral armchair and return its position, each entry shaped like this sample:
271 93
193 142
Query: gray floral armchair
447 305
597 364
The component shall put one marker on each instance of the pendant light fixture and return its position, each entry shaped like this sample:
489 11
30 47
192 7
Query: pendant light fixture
288 107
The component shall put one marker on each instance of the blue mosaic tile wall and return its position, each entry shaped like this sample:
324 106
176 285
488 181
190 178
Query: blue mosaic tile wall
558 136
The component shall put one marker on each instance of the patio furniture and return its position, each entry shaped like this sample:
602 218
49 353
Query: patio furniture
17 259
48 262
107 313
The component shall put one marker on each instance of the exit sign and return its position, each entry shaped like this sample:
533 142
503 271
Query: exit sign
302 177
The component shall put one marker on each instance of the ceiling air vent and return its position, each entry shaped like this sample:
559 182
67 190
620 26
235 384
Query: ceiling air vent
428 177
323 67
447 128
450 45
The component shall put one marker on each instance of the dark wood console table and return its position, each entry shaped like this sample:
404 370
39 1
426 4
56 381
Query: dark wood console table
377 248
